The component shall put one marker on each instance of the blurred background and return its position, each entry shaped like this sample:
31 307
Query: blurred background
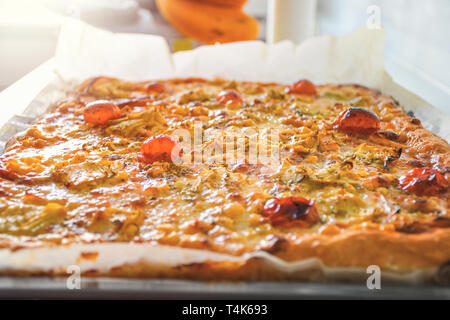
417 48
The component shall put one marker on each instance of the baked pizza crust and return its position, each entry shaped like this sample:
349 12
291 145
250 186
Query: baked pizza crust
402 257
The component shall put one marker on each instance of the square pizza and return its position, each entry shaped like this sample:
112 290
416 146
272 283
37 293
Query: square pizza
340 173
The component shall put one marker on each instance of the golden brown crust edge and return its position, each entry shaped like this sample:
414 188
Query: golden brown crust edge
393 252
426 143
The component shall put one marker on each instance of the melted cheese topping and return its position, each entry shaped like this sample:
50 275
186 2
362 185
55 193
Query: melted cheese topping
64 180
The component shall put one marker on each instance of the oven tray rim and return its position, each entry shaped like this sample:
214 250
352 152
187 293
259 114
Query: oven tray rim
121 288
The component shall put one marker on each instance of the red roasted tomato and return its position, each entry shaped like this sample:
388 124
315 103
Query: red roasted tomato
100 112
229 98
357 121
303 87
291 212
156 87
159 148
423 181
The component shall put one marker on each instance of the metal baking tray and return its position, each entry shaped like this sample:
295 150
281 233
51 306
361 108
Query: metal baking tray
114 288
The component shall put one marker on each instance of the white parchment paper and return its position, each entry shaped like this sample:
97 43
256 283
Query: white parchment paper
84 51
